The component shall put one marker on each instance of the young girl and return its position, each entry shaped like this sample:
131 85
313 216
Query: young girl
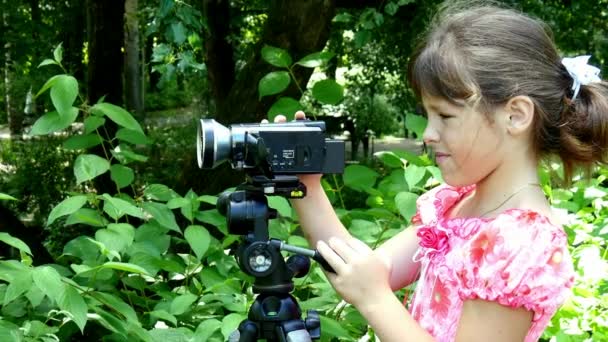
491 260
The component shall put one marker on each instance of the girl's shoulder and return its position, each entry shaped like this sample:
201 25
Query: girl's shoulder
435 203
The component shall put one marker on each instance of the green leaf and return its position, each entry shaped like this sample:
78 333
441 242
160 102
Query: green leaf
332 327
82 142
213 217
231 322
48 280
118 115
406 204
53 122
125 155
391 8
316 59
178 203
206 328
133 137
276 56
182 303
414 174
58 53
89 166
15 242
123 207
165 316
73 302
19 285
362 37
81 247
389 159
66 207
359 177
159 192
86 216
281 204
92 123
342 18
163 215
48 84
198 238
121 175
328 92
118 305
179 33
47 62
415 123
123 266
6 197
10 332
273 83
63 94
286 106
208 199
117 237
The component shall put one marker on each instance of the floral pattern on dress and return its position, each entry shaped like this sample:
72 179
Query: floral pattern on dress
518 259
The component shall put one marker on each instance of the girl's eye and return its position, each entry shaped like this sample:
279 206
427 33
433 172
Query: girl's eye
444 116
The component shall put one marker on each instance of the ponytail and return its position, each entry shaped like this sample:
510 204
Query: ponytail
583 132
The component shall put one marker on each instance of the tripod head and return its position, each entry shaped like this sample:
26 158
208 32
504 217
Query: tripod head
247 213
275 312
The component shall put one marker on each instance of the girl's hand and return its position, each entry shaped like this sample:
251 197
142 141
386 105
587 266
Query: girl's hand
361 274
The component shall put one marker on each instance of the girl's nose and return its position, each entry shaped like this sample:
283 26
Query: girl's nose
430 135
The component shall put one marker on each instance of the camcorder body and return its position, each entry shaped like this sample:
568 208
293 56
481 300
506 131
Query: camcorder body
270 149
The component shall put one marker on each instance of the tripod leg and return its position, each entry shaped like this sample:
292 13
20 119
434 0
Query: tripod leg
247 332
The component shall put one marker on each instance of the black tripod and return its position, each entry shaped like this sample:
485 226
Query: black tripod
275 314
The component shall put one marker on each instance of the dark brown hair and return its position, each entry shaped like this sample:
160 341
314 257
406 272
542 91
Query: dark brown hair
487 54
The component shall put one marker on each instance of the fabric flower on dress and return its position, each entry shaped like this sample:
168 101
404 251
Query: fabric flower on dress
434 239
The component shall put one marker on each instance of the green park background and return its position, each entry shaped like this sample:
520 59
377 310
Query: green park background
108 229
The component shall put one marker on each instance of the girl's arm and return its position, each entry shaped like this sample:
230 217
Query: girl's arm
320 222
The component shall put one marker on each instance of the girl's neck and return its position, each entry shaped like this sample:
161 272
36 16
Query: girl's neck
508 186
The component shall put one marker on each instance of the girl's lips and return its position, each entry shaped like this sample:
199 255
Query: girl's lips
441 157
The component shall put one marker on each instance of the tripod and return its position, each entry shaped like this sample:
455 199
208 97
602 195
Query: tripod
275 314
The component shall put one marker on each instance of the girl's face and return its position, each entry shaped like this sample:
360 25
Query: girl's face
468 147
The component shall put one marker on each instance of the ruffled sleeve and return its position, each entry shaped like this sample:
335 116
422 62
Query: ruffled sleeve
433 204
519 259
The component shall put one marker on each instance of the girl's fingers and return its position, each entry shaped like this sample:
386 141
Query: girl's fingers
359 246
333 259
264 120
280 118
299 115
341 248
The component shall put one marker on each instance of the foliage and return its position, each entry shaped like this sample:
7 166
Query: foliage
38 171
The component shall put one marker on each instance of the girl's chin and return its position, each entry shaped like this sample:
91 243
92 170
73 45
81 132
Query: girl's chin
456 182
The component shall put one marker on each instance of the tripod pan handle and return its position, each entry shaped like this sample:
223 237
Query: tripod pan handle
319 258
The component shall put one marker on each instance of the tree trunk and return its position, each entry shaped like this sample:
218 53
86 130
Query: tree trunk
73 38
105 37
153 77
133 80
104 79
14 115
219 53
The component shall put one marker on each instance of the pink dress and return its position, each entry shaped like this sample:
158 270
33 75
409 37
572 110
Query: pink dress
518 259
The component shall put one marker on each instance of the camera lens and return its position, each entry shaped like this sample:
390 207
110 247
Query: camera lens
212 144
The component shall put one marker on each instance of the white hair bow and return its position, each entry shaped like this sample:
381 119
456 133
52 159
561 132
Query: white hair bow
581 72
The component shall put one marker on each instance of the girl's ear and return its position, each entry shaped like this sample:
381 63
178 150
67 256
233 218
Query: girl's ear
519 113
